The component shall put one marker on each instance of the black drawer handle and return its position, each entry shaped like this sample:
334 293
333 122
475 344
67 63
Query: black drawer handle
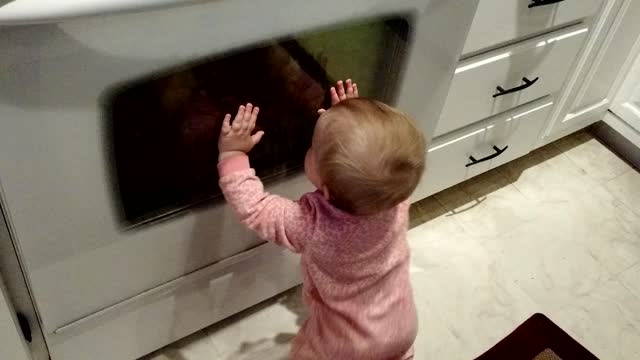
527 83
537 3
499 152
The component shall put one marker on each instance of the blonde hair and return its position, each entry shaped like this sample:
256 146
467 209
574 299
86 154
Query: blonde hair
369 155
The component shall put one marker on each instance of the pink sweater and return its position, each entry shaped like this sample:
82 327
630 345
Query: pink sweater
355 268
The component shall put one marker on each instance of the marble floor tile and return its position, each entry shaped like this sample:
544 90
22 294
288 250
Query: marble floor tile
626 188
606 227
487 205
589 154
457 279
631 279
435 339
197 346
546 260
547 175
606 321
263 332
438 229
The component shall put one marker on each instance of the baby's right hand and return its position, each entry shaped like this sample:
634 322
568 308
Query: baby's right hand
237 137
341 93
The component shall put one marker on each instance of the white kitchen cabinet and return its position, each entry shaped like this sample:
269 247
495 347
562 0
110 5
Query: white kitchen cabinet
501 21
482 146
626 104
600 71
497 81
623 117
520 54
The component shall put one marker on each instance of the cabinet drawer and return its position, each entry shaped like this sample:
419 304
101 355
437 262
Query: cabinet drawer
500 21
449 155
474 92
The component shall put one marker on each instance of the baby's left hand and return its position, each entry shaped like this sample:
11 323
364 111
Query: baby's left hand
236 137
346 90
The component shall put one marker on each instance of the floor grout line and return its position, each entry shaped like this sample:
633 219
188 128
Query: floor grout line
635 212
623 283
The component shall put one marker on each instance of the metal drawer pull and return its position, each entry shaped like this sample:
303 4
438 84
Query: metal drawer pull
537 3
493 156
526 84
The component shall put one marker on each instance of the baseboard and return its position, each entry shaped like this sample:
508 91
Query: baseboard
620 137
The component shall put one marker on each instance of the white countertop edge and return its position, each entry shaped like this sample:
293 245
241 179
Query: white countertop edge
22 12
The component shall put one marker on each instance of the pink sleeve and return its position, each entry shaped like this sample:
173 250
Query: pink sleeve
274 218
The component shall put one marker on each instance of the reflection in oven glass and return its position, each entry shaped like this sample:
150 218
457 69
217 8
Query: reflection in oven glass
164 128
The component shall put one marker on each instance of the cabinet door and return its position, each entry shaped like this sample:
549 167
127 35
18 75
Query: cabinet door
617 44
626 104
600 70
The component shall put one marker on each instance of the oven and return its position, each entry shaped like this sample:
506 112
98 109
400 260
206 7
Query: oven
109 117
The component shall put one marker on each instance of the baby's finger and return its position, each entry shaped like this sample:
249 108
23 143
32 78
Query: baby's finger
320 111
246 120
349 89
341 93
334 96
226 124
253 119
255 138
355 90
237 122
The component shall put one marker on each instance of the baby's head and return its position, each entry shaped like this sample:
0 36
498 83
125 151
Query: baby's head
366 157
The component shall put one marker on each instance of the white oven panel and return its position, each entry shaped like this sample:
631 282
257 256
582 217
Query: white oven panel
54 172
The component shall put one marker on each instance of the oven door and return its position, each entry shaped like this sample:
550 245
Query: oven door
71 186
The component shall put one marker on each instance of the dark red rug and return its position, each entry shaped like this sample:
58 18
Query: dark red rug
538 338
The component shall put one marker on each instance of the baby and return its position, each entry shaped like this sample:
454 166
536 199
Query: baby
365 160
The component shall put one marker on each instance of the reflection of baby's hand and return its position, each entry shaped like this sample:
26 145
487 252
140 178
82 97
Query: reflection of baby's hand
341 93
236 137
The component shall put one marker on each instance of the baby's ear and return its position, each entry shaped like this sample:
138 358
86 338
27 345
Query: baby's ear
325 192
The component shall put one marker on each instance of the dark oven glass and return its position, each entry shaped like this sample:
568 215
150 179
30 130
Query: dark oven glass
164 128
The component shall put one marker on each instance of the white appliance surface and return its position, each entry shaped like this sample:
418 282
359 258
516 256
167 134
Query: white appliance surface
12 346
55 175
41 11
